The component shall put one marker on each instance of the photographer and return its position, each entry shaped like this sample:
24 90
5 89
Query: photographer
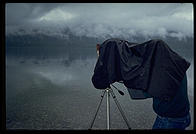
172 113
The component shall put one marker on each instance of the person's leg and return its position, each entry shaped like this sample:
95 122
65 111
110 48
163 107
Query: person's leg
179 123
172 123
160 123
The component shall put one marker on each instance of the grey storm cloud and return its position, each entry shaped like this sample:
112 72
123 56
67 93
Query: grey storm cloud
100 19
21 13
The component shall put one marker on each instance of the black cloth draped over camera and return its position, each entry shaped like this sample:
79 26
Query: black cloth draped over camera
150 66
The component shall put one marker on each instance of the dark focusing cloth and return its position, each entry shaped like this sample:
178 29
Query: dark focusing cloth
150 66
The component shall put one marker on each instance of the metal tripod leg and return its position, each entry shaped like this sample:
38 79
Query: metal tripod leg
108 91
120 109
108 108
97 110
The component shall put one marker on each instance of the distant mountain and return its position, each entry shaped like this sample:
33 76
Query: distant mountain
38 43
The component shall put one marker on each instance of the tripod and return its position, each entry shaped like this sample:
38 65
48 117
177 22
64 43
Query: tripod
109 91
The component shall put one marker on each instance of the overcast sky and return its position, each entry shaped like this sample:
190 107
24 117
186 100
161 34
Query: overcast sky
99 19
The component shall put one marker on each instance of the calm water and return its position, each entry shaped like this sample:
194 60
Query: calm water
57 94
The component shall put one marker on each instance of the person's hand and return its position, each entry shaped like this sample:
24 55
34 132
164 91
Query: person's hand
97 49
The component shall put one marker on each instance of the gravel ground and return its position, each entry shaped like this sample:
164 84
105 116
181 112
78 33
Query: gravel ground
35 102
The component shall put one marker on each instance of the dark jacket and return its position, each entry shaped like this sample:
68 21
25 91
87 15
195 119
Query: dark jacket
178 106
150 66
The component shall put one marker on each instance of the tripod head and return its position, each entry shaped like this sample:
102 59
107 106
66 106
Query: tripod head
120 92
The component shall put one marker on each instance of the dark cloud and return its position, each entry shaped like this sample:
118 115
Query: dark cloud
20 13
99 19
